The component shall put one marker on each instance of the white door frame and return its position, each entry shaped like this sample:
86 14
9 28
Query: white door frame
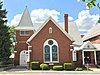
23 58
89 51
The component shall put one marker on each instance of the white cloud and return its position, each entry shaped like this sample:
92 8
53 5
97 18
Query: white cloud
70 18
78 0
16 19
38 15
1 0
85 20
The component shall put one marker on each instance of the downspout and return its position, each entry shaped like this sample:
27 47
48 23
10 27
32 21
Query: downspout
29 46
28 54
27 43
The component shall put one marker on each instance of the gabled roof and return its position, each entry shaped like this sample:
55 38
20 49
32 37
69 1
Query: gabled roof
87 45
74 33
25 22
97 46
95 31
50 18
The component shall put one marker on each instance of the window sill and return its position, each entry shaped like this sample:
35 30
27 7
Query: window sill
24 35
52 62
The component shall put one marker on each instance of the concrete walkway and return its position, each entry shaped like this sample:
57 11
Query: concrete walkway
18 70
95 69
49 72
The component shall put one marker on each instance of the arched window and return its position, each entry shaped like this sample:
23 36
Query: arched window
50 30
54 53
47 53
51 51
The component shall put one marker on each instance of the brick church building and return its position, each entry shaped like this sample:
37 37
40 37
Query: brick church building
52 42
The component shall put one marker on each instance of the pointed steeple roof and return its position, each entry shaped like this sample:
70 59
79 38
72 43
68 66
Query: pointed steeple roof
25 21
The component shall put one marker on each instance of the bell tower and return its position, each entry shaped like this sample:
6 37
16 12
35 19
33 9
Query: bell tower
24 30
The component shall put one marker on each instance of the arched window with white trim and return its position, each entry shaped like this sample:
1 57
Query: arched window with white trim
51 54
50 29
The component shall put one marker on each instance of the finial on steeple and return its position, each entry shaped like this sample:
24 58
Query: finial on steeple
26 6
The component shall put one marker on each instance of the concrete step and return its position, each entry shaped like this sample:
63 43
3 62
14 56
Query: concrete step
91 66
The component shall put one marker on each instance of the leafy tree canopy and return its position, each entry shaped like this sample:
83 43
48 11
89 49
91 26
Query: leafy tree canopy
12 37
91 3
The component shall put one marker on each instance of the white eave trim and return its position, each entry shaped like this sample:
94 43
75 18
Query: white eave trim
24 28
50 18
85 44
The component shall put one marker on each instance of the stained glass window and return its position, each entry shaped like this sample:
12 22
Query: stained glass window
54 53
50 51
47 53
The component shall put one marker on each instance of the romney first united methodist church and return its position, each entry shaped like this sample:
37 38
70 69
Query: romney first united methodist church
47 42
50 42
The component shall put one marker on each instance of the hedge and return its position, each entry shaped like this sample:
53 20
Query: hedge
44 66
79 69
68 66
35 65
58 68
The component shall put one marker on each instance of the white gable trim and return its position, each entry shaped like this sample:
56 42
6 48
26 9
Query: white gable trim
86 44
50 18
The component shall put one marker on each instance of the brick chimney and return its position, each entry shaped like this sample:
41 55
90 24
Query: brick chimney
66 22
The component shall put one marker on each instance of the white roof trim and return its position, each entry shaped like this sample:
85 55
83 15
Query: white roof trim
50 18
25 28
85 44
94 31
90 36
97 47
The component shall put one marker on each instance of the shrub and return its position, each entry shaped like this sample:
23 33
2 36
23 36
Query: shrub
68 66
58 68
44 66
8 65
79 69
35 65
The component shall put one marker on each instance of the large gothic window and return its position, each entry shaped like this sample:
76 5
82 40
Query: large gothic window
51 51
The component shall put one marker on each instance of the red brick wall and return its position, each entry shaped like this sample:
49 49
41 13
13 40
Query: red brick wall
21 44
95 40
63 43
92 57
79 61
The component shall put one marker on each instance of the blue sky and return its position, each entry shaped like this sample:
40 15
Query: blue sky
71 7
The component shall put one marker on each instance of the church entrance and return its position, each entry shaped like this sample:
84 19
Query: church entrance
87 57
23 58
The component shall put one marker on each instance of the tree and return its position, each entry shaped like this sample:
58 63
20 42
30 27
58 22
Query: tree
91 3
5 41
99 20
12 37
